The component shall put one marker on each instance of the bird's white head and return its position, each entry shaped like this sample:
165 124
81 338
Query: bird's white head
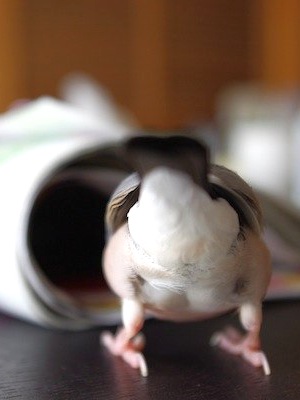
175 218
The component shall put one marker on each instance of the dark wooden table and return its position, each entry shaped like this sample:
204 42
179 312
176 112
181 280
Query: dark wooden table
36 363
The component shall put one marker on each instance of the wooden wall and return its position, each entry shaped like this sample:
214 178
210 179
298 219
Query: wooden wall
13 79
275 28
166 60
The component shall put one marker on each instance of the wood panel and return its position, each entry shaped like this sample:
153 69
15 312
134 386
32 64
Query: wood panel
166 60
275 29
208 50
13 66
149 74
91 36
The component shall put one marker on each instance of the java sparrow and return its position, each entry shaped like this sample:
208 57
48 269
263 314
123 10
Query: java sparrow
185 244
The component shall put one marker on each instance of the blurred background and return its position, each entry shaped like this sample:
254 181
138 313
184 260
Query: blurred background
228 70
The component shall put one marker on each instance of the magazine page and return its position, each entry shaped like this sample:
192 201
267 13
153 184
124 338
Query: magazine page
282 235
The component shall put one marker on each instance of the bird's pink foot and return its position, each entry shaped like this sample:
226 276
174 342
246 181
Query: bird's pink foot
232 341
126 348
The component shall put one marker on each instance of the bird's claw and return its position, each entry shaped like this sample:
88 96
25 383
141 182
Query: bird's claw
233 342
129 351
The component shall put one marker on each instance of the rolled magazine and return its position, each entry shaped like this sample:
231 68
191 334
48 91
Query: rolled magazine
57 171
282 235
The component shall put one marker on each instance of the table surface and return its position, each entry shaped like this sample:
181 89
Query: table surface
36 363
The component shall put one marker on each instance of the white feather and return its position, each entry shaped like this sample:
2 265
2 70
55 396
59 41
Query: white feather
175 221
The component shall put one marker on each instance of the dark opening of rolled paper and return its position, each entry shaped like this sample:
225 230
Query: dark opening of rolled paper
66 238
67 234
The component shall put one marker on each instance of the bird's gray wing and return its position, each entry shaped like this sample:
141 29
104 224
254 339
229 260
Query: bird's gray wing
229 185
122 199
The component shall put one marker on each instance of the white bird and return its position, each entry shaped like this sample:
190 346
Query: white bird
185 245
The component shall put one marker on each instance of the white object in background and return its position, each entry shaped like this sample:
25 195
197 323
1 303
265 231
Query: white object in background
48 116
257 134
259 151
80 90
295 161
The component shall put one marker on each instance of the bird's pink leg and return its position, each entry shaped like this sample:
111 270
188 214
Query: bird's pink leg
129 341
248 346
